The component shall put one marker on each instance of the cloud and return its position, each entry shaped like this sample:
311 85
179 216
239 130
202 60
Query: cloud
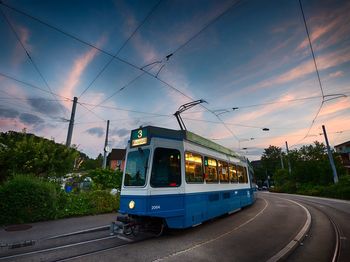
335 106
8 113
44 106
30 119
119 132
324 62
19 54
79 66
336 74
328 28
97 131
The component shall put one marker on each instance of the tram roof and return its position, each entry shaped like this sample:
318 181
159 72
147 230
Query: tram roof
154 131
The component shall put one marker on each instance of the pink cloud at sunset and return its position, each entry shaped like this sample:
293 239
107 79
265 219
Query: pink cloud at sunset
331 27
329 60
79 66
335 106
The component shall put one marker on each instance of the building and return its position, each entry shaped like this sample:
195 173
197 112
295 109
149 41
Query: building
344 151
116 159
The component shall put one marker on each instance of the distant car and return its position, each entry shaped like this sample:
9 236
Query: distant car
264 188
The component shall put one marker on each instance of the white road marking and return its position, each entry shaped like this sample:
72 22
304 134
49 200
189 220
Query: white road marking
298 238
213 239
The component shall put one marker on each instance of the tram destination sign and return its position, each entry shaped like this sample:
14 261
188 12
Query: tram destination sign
139 137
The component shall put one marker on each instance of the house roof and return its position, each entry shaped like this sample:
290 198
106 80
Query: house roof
117 154
343 144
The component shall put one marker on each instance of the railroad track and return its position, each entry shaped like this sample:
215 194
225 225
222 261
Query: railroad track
340 253
75 248
335 226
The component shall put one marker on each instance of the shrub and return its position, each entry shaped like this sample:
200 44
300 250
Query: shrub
30 199
87 203
27 199
106 178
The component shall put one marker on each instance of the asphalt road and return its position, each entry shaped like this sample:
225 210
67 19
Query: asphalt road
256 233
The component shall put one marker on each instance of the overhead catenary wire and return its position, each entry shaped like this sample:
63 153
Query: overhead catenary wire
316 70
88 109
234 4
311 48
116 92
158 78
121 48
25 109
123 60
31 59
33 86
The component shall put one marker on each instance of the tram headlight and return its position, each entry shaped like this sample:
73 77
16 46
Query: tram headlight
132 204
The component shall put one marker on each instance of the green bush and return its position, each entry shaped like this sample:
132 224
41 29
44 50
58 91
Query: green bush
27 199
340 190
106 178
87 203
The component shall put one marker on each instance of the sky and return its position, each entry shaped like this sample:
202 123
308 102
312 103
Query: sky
136 62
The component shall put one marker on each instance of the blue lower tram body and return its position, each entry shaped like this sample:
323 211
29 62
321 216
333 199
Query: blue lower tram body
186 210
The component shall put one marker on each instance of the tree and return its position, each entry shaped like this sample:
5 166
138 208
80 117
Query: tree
24 153
271 159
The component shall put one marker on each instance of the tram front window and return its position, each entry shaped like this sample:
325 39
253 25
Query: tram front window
136 168
166 171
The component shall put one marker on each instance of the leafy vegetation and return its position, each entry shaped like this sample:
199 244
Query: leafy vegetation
36 194
311 172
22 153
106 178
29 199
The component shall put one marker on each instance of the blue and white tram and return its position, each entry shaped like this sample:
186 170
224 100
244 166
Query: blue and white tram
181 179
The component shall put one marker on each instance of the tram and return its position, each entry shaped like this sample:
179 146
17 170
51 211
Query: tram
177 179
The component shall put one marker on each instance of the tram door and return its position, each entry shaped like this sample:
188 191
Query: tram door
165 189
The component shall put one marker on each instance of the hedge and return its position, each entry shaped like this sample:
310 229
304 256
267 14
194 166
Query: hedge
341 190
26 199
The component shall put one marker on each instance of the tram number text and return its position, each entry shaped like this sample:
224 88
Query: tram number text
155 207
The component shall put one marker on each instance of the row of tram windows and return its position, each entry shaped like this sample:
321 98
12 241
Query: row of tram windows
214 170
166 169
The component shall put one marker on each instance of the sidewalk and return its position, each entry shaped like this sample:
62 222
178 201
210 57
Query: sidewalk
40 230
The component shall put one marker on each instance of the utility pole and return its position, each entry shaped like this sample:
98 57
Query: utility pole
71 122
282 165
105 149
289 166
330 156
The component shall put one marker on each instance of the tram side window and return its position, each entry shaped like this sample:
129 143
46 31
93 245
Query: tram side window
211 172
194 168
223 171
233 173
240 174
166 171
245 175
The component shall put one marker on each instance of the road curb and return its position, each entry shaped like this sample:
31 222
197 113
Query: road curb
292 245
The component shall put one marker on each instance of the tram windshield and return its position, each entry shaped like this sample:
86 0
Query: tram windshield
136 168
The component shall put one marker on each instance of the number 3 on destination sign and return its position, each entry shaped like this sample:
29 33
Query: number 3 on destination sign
139 134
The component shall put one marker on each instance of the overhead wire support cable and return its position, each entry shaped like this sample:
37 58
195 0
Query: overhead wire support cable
90 110
31 59
127 62
311 48
121 48
33 86
118 91
234 4
317 72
